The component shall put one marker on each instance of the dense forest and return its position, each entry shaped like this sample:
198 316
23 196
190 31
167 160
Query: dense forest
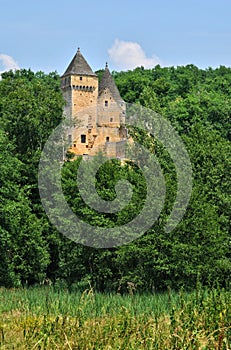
198 104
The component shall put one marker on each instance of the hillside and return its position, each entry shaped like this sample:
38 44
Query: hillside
198 104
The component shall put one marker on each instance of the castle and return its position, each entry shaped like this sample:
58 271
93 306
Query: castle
96 109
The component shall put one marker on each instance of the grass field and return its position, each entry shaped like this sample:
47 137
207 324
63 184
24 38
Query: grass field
46 318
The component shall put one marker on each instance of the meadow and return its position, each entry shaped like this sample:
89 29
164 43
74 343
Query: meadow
49 318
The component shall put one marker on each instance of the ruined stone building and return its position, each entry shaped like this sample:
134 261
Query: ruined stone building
96 109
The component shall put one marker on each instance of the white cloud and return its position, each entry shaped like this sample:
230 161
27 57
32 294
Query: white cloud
129 55
8 63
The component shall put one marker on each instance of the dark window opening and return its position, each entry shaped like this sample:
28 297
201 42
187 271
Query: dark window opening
111 120
83 138
80 78
107 139
106 103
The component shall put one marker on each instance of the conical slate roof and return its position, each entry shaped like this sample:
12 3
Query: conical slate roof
107 81
79 66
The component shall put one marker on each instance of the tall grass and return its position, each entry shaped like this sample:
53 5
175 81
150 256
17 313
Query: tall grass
46 318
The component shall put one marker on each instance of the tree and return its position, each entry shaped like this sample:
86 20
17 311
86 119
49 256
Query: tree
24 256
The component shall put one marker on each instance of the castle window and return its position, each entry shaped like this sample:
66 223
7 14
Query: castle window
111 120
80 78
83 138
106 103
107 139
74 144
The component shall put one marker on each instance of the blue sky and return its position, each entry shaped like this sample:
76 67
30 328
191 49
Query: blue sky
44 35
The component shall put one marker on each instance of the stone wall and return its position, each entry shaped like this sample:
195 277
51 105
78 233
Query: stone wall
96 118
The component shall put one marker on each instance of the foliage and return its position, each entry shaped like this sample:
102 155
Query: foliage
23 249
197 103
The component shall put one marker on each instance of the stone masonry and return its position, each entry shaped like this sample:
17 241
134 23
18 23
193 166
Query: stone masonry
96 109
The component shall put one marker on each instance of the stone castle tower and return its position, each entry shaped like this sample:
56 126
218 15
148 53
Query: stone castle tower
96 109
